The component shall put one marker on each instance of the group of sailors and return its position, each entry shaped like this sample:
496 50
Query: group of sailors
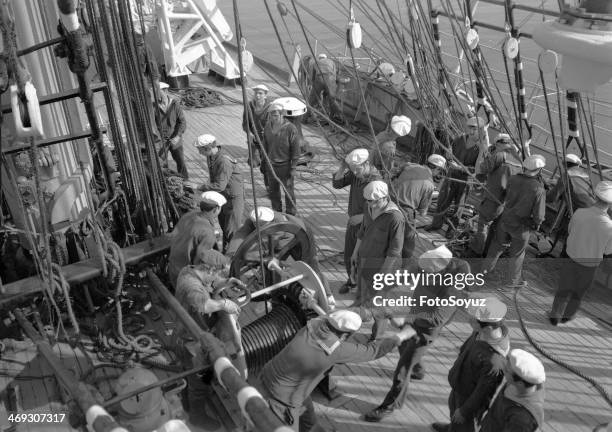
380 237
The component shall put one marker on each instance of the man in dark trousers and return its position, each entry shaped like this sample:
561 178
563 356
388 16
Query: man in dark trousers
479 369
519 405
378 248
289 378
465 152
282 144
524 211
428 322
412 190
171 124
588 243
195 233
259 111
355 171
225 178
501 162
324 86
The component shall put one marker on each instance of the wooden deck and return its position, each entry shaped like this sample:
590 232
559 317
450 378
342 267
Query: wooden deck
571 403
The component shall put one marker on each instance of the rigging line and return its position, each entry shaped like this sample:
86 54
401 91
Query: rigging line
591 133
511 90
563 172
249 118
375 22
582 121
401 47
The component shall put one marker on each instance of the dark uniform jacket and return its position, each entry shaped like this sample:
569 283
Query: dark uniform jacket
413 189
580 190
172 123
258 121
357 203
293 373
464 155
282 146
477 372
382 240
225 176
525 202
194 233
499 167
515 413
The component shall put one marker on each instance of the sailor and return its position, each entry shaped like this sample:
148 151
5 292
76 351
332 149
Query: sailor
588 243
225 178
259 112
519 405
579 185
378 248
413 190
171 124
323 90
428 321
524 211
289 378
383 160
195 289
195 233
267 216
282 145
500 163
465 152
355 171
479 368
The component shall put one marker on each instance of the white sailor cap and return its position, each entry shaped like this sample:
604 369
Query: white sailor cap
261 87
264 214
534 162
435 260
492 310
527 366
603 191
205 140
322 56
401 125
163 85
572 158
503 138
437 160
276 107
376 190
344 320
357 157
213 198
476 121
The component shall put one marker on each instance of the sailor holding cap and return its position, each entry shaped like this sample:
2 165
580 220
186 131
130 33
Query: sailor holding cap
225 177
428 321
354 171
195 233
580 190
519 404
501 162
171 124
466 151
379 247
588 243
383 160
266 216
282 145
479 368
524 211
259 112
289 378
413 190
